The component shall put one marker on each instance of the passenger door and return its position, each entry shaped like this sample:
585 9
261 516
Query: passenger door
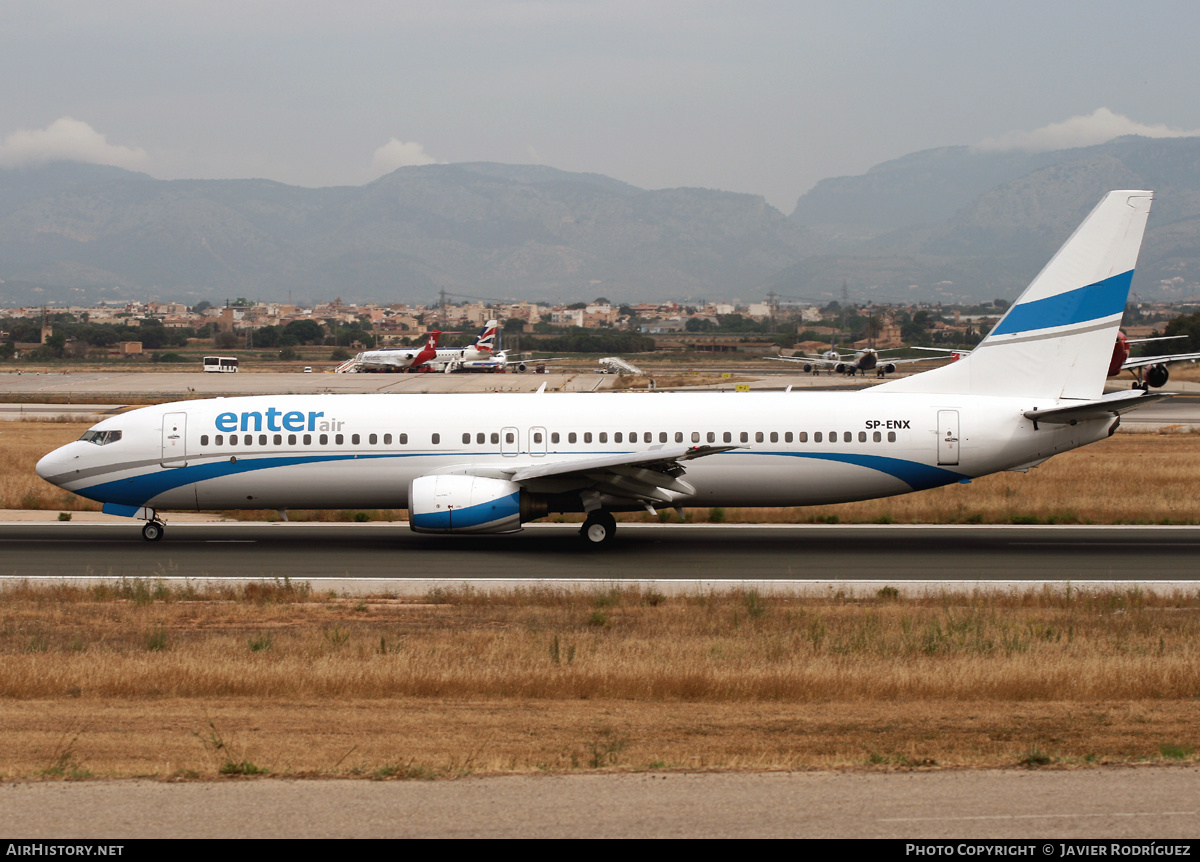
537 441
174 440
947 438
508 441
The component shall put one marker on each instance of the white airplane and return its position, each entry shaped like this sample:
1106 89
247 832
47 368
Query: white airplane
1148 371
390 359
863 360
482 354
484 463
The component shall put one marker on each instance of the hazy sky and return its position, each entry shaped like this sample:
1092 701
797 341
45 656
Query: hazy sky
758 97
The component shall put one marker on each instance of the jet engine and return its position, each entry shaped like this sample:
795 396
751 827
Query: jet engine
807 367
464 504
1157 375
841 368
889 369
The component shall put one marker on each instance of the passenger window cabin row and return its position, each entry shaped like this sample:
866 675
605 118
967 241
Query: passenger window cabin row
573 437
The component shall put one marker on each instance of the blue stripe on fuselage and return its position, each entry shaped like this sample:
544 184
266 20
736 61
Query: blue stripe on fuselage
1092 302
916 475
140 489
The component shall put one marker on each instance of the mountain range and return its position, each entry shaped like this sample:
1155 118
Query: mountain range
950 224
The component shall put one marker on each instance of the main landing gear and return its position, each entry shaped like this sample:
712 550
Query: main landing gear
153 531
599 527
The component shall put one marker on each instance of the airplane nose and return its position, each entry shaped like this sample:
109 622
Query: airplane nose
52 465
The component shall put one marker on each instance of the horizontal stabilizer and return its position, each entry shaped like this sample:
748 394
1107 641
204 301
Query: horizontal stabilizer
1110 405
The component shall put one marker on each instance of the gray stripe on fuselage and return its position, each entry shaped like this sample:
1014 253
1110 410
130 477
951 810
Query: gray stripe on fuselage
191 460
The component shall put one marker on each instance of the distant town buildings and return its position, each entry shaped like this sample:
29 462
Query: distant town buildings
705 326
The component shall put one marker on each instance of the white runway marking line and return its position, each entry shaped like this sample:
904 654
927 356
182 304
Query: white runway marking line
1037 816
1102 544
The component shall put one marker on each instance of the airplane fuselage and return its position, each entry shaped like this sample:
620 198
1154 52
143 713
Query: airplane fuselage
338 451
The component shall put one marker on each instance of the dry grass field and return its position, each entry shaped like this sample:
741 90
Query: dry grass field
140 679
1127 479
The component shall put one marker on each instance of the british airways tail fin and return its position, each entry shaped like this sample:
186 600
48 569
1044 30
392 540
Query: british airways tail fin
488 339
1056 341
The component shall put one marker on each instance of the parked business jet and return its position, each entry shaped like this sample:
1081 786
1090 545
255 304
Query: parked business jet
395 358
482 463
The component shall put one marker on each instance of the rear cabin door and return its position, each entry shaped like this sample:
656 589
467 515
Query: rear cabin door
174 440
947 437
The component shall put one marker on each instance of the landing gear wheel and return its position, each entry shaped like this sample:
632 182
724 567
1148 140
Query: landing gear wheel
599 528
153 531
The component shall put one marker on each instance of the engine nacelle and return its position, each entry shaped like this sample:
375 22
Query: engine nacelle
841 368
522 367
807 367
463 504
889 369
1157 375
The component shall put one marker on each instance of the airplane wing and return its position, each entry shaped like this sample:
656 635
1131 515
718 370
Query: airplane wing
642 478
1143 361
811 360
917 359
962 351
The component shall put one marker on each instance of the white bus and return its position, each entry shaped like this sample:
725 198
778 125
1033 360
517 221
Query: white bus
220 363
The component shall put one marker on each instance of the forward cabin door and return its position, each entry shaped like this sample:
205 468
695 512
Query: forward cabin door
537 441
947 438
174 440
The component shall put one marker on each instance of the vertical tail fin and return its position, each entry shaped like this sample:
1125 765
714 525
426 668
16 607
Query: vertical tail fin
488 339
1057 339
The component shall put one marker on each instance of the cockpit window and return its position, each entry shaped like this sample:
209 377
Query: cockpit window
101 438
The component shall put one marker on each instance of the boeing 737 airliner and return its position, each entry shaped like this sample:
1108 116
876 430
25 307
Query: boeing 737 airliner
483 463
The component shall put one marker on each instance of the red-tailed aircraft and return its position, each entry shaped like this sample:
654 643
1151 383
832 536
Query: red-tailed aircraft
1148 371
395 359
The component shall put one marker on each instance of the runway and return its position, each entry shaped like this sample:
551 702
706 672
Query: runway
388 557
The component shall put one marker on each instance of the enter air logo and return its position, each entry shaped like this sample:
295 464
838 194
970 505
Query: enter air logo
277 420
